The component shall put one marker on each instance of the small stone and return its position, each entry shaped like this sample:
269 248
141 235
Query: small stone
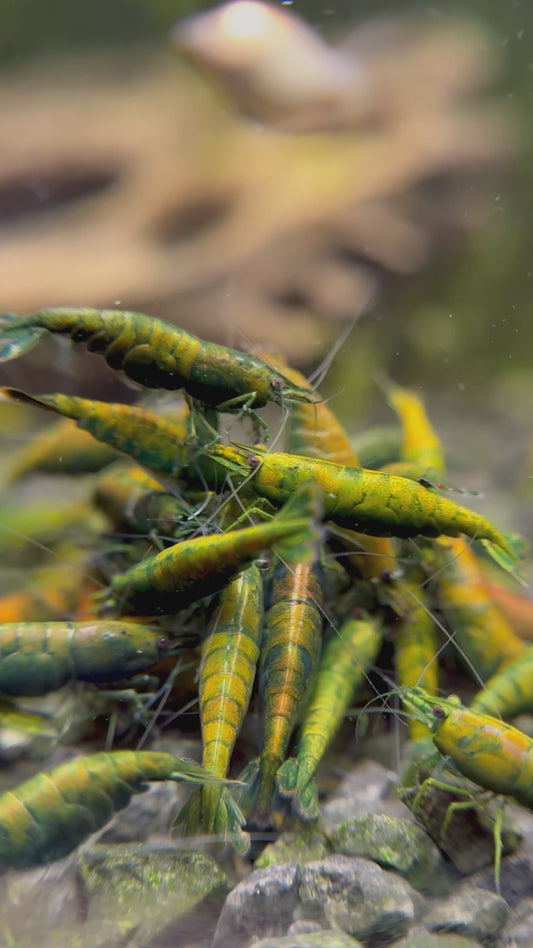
475 913
419 937
150 890
305 844
36 900
263 904
516 879
357 897
316 939
518 932
394 844
365 789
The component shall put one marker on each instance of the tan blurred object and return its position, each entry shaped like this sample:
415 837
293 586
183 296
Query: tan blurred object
135 183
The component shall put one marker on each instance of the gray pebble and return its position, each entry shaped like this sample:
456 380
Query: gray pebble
470 911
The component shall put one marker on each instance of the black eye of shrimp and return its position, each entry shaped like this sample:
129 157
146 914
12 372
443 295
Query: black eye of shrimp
277 384
254 461
438 712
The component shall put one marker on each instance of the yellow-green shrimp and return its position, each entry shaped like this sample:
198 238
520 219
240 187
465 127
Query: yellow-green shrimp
289 659
368 501
46 817
158 444
510 691
314 431
155 354
492 754
38 657
345 659
196 568
479 628
230 653
421 445
138 503
415 640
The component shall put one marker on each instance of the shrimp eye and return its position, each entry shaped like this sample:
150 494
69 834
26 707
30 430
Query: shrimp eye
163 643
438 712
277 383
254 461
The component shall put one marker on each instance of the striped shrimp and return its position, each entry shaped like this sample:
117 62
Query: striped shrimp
229 658
490 753
314 431
368 501
46 817
289 659
415 640
345 658
135 502
480 629
158 444
196 568
155 354
38 657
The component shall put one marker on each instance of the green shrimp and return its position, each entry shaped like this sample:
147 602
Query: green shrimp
196 568
158 445
46 817
229 659
313 431
368 501
155 354
38 657
345 659
289 658
490 753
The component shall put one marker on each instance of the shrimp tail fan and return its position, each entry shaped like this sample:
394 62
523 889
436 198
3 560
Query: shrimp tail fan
304 793
18 336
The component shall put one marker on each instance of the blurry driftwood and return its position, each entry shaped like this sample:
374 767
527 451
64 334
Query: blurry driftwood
136 183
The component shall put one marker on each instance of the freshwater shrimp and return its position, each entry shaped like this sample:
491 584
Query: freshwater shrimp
158 445
415 635
367 501
38 657
421 445
345 659
314 431
134 501
479 628
46 817
196 568
230 653
156 354
490 753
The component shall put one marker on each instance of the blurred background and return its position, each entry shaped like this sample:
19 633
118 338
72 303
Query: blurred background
271 175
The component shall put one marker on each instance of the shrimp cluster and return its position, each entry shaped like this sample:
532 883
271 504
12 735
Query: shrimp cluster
279 574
